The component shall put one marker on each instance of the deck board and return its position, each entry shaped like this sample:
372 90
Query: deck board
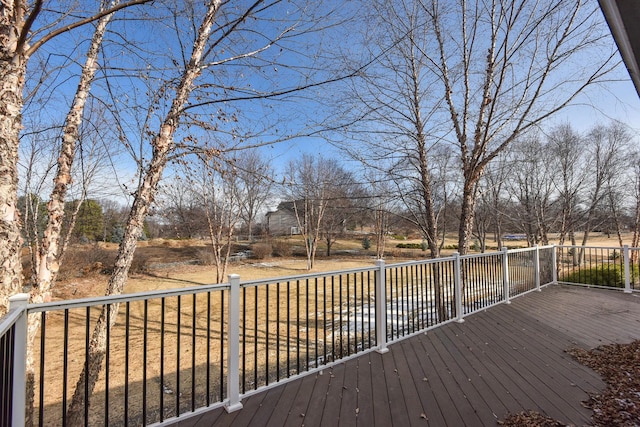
298 410
331 410
531 376
397 404
267 405
506 359
407 375
315 409
283 405
424 388
349 400
365 393
455 386
485 385
380 401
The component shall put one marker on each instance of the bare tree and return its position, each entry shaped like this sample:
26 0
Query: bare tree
497 177
506 67
216 187
255 180
180 209
20 38
38 157
531 182
187 112
382 199
617 194
316 185
635 168
344 209
565 144
395 112
606 147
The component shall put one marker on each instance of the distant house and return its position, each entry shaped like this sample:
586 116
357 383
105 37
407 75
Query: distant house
282 221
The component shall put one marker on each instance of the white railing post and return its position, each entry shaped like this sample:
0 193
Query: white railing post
233 346
19 302
505 275
537 268
457 286
627 271
554 263
381 307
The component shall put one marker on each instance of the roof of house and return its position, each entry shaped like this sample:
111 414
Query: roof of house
288 207
622 17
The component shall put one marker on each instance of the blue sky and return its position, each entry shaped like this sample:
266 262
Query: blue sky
615 100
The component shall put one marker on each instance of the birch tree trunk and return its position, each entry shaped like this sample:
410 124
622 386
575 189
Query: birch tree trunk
50 251
12 74
16 20
162 145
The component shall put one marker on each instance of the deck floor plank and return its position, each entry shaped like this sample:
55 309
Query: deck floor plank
459 408
506 359
513 397
472 398
365 393
544 344
284 403
522 366
331 411
318 397
397 404
445 404
349 400
407 377
380 398
267 405
490 390
424 389
300 404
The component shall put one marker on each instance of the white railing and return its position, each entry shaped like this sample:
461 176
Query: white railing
13 331
601 267
174 353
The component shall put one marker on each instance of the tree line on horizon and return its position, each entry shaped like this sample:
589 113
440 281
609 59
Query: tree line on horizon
557 181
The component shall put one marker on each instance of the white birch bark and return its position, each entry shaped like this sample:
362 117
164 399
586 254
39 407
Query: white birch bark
12 73
50 251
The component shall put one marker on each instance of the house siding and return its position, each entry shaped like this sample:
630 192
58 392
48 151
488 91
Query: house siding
281 223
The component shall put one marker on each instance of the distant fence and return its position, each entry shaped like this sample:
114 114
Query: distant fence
176 353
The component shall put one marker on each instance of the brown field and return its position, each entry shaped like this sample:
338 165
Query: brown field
158 263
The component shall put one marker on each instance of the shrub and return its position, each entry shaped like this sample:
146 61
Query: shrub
366 244
205 257
261 250
84 260
424 246
409 245
280 248
140 263
610 275
117 233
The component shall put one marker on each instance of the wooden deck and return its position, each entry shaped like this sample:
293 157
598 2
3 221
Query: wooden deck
506 359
